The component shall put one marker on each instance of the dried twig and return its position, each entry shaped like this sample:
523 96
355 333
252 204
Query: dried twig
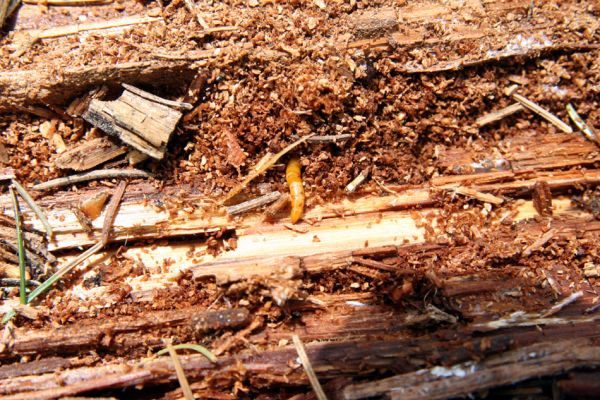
90 176
33 205
183 382
330 138
22 277
581 125
93 26
485 197
253 203
111 212
191 346
360 178
499 114
542 240
264 166
562 304
157 99
5 282
536 108
310 372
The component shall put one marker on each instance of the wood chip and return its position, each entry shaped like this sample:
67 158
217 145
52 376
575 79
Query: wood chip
542 198
141 123
499 114
356 182
253 203
90 176
485 197
89 154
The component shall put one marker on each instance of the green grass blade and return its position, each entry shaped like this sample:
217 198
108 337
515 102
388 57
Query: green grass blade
21 247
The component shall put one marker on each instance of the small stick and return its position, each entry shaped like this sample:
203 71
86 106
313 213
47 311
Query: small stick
22 277
276 207
539 242
157 99
111 211
93 26
330 138
90 176
310 372
562 304
253 203
191 346
498 115
360 178
485 197
33 205
15 282
265 165
536 108
183 382
587 130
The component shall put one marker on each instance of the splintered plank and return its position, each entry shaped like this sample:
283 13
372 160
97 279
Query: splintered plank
141 123
89 154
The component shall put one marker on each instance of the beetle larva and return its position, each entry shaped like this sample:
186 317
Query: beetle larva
294 180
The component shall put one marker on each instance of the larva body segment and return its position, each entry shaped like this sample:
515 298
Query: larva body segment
294 180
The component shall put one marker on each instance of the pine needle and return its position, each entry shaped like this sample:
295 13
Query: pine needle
33 205
312 377
22 277
183 382
264 166
581 125
191 346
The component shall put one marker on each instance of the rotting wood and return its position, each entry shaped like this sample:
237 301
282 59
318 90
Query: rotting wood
21 87
157 99
130 223
143 124
542 199
89 154
90 334
441 382
329 358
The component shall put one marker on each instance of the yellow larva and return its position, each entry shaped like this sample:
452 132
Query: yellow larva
294 180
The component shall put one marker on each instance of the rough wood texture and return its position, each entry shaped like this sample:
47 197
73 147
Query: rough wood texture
89 154
459 380
34 87
141 123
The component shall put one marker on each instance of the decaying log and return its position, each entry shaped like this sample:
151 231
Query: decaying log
55 87
329 359
120 334
143 124
442 382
